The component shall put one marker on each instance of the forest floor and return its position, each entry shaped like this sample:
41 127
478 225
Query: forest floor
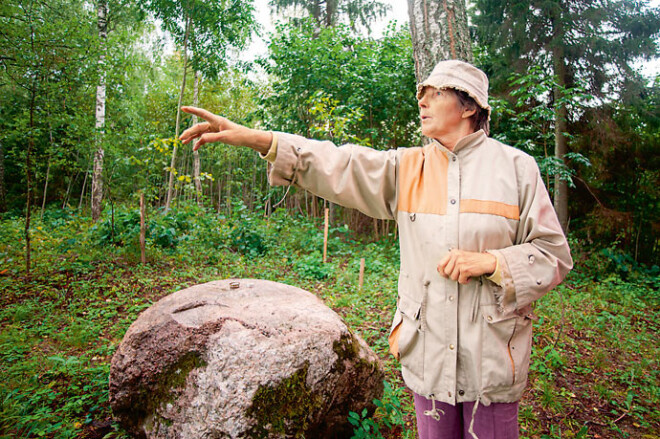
594 368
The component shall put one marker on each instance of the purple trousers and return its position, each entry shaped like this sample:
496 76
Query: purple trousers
496 421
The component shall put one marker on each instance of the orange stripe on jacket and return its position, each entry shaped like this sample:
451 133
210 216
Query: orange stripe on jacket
423 181
490 207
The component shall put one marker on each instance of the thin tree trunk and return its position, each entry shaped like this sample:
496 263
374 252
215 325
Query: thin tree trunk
198 183
170 184
439 31
97 175
82 192
43 203
143 230
28 166
3 190
219 193
561 147
228 197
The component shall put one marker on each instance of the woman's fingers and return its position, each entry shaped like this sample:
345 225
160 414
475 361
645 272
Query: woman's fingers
200 112
194 131
208 138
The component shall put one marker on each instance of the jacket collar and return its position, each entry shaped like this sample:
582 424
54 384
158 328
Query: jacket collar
465 143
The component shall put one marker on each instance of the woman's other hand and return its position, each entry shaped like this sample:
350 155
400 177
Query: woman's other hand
461 265
220 129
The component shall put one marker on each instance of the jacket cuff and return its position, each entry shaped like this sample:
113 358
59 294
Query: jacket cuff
504 291
271 155
283 170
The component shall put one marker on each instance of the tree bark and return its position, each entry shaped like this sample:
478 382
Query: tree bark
196 165
97 175
439 31
170 184
561 147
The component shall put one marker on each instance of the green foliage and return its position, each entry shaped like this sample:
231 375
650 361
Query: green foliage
366 82
388 415
328 14
528 123
210 28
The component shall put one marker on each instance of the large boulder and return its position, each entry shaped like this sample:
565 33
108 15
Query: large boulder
240 359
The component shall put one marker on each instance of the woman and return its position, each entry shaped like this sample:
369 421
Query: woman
479 241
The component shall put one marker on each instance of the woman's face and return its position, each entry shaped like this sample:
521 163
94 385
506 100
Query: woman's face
440 111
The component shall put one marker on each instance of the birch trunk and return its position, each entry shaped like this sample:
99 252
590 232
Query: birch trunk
198 183
439 31
97 174
170 184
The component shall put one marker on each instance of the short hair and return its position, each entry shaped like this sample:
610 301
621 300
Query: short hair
480 117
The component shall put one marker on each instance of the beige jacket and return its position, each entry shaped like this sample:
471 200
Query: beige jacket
455 342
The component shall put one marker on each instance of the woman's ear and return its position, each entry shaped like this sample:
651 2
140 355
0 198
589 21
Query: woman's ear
468 113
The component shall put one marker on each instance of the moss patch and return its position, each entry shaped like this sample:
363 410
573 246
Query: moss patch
169 383
348 348
285 407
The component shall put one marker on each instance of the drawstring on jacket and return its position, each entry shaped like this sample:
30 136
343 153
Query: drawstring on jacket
474 413
434 411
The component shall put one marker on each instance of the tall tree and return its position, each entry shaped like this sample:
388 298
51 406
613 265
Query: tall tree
439 31
592 43
210 28
97 174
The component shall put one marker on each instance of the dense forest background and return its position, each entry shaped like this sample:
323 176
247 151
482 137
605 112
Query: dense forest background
323 78
89 123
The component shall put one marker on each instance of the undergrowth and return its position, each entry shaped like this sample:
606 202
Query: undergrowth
594 370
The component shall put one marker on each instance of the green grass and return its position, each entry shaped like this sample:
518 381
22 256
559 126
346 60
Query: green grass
594 364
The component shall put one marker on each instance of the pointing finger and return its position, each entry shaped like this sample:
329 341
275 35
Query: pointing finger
200 112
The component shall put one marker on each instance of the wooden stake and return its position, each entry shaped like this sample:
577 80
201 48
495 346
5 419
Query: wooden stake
361 272
143 230
325 237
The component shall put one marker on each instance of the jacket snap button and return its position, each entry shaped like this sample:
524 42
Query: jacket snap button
490 318
451 298
531 259
461 392
412 217
538 282
451 347
453 201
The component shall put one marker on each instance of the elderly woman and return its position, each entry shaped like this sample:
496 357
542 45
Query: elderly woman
479 238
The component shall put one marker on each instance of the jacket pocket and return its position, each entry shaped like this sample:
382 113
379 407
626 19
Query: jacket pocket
499 366
409 335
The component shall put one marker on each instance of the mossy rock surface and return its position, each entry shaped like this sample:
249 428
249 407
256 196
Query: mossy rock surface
263 360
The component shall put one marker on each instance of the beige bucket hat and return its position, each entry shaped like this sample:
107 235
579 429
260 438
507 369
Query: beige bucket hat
460 76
